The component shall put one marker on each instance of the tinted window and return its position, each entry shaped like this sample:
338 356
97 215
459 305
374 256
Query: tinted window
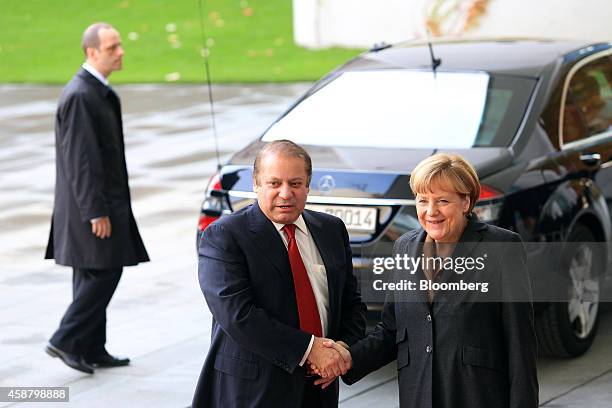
588 104
409 109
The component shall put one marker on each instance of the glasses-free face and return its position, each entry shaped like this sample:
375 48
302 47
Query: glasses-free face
442 213
109 56
281 187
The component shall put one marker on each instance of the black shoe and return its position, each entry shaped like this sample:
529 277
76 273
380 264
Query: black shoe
71 360
106 360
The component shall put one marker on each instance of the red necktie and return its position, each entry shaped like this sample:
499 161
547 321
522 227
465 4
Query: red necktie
307 305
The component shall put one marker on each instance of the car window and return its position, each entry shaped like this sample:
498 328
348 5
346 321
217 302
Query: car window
588 103
409 109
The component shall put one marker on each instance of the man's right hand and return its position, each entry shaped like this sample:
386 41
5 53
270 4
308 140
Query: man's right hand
101 227
327 360
342 349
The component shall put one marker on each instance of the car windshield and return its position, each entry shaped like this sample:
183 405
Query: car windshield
408 109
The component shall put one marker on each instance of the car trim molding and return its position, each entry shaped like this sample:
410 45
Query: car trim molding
530 105
587 141
335 200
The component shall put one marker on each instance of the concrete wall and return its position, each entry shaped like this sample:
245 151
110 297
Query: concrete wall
361 23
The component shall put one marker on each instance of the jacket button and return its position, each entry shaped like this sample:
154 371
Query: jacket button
429 318
429 349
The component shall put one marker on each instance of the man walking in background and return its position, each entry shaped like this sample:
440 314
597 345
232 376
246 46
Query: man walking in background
93 229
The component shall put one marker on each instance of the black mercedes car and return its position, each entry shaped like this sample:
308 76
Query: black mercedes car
533 116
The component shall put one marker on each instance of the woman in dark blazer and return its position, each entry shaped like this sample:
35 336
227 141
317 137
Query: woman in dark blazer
463 348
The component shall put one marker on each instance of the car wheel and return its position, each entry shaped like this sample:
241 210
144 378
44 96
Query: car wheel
567 329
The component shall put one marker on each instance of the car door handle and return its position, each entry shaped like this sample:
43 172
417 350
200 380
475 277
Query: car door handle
591 159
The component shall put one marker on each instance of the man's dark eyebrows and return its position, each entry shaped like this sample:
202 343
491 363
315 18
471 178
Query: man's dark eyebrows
113 45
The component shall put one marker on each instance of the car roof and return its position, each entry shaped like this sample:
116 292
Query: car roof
525 57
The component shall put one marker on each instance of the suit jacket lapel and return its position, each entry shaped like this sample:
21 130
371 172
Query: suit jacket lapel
470 238
469 241
105 91
326 250
269 241
413 248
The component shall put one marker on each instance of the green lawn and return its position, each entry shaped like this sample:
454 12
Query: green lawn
250 41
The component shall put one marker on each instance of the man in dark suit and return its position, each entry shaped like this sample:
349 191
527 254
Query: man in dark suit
277 279
93 229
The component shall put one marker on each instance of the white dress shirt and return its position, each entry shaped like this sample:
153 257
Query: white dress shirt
87 67
315 270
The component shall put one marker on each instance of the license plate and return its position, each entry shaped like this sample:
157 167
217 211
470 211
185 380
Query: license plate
355 218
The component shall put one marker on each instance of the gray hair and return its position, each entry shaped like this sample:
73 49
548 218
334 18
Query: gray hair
91 36
286 148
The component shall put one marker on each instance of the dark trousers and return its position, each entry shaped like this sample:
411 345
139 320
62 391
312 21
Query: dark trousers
312 394
82 330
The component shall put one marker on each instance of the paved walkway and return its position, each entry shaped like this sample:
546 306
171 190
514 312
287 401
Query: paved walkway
158 316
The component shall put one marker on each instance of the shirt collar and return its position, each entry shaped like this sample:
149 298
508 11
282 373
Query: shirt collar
300 223
87 67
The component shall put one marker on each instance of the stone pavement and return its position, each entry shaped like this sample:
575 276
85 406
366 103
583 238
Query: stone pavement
158 316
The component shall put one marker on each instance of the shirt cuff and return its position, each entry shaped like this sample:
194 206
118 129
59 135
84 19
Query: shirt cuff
307 351
95 219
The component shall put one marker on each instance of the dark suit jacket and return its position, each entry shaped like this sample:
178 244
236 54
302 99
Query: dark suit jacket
459 354
91 180
256 344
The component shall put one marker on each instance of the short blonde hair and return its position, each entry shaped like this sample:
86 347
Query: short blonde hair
448 171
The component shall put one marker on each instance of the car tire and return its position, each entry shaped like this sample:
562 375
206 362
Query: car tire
567 329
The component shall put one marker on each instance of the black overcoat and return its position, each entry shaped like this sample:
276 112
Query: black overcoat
459 354
91 180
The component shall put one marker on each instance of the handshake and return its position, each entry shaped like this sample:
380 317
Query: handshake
328 359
